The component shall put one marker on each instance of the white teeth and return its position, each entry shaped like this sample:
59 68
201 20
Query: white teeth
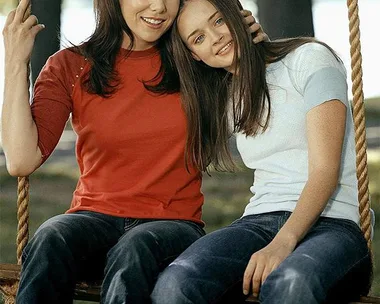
225 48
152 21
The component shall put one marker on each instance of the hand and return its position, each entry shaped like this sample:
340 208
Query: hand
19 33
262 263
254 27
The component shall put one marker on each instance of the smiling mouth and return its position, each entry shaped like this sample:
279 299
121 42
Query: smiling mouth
153 21
225 48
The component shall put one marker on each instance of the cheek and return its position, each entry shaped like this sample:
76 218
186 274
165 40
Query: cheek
206 55
172 7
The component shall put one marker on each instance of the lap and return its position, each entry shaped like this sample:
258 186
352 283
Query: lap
332 244
325 259
165 239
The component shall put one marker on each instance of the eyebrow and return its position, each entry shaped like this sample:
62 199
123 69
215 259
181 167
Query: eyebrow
194 32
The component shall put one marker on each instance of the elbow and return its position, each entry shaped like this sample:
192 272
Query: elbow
19 169
327 176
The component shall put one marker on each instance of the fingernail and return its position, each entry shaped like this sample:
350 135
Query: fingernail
245 292
254 294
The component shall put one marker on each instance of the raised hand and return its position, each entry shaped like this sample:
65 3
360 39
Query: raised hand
19 33
254 27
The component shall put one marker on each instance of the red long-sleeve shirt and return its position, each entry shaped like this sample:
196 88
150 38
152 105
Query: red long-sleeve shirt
130 147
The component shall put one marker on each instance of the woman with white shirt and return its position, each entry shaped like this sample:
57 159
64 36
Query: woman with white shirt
298 240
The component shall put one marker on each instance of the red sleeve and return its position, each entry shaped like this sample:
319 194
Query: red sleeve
52 102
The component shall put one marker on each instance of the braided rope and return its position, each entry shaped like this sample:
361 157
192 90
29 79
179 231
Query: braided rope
359 120
22 215
9 293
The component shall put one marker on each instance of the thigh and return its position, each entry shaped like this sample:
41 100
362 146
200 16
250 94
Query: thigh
158 240
83 231
213 265
81 237
329 252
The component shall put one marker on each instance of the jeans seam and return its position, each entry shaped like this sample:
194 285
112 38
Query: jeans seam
353 266
134 223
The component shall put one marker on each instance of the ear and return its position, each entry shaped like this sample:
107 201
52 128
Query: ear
195 56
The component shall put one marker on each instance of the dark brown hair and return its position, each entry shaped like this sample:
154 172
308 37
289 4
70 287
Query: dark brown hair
104 44
212 96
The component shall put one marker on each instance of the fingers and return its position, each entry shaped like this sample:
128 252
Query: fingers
267 271
256 280
31 21
10 18
247 278
247 13
22 10
261 37
37 28
256 27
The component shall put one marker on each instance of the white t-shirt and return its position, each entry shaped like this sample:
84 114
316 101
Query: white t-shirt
304 79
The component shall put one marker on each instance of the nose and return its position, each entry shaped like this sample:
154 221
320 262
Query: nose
216 37
158 6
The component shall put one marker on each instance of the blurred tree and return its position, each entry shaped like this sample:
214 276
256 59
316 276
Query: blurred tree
286 18
47 43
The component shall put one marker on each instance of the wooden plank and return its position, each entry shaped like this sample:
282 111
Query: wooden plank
88 291
9 272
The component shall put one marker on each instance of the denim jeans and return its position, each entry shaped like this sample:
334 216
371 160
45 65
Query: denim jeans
332 257
85 245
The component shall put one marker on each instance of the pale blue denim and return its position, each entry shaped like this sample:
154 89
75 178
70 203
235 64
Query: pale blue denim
84 245
331 264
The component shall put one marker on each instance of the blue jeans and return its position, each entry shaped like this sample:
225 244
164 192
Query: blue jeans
332 257
85 245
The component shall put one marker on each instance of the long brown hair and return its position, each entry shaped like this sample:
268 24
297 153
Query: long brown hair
212 96
104 44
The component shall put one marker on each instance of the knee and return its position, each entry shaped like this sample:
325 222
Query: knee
292 285
134 248
173 286
50 237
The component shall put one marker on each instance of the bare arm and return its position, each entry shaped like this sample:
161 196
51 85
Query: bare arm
325 134
19 132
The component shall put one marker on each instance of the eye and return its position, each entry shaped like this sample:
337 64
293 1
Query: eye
219 21
199 39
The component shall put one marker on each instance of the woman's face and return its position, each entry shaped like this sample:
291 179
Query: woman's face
148 20
203 30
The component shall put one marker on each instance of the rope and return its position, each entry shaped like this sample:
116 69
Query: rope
9 293
359 120
22 216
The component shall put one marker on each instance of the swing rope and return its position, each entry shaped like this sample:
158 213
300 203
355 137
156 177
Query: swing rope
10 290
359 120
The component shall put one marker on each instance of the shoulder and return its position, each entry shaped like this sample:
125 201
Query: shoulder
66 59
65 66
313 55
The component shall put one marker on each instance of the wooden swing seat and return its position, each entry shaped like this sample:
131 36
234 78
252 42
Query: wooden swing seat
86 291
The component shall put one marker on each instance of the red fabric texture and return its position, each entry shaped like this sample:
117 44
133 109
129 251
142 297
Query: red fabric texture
130 147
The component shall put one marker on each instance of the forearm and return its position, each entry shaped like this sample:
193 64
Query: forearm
320 186
19 132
